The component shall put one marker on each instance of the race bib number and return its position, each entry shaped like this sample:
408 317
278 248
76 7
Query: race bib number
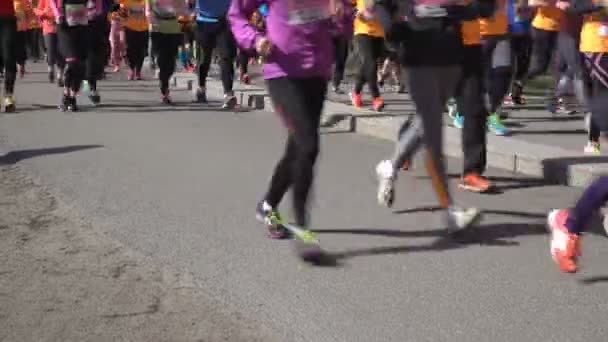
164 9
137 11
76 14
308 11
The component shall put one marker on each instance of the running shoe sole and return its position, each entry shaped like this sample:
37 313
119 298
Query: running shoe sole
474 222
465 186
230 103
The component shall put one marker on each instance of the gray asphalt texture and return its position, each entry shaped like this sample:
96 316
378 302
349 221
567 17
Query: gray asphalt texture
180 186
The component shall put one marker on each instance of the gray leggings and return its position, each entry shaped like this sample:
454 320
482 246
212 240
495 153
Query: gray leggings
574 74
430 88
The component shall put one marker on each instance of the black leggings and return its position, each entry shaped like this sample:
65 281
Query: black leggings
208 37
33 43
8 33
370 50
598 102
96 53
73 47
521 46
299 101
597 66
543 45
137 47
166 45
53 57
496 61
243 61
469 99
340 55
20 47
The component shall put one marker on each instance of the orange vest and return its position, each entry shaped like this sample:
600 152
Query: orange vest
367 27
548 18
594 34
498 24
136 15
471 32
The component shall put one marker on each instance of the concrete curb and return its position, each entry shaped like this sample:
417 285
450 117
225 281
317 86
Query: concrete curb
556 165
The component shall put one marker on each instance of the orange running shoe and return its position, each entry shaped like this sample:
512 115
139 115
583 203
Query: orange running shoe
378 104
565 246
356 99
475 182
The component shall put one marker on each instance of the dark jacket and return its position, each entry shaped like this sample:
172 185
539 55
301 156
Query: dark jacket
431 41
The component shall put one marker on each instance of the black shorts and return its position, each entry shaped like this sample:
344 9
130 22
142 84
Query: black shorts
188 35
210 35
73 42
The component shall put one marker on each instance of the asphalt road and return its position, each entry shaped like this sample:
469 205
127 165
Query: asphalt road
180 186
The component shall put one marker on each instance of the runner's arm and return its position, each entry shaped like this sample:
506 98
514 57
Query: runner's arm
245 35
147 9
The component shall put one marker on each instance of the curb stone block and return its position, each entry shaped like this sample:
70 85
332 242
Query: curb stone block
555 165
256 101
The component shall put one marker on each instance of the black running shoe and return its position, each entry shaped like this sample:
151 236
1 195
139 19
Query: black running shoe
73 106
229 102
65 103
95 98
200 96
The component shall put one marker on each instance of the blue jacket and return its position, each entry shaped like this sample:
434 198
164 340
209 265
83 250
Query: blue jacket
211 10
264 9
517 24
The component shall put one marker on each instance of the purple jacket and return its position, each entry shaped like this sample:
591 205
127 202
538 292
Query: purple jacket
301 35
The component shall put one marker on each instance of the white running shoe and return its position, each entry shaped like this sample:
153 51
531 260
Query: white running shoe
462 218
452 110
592 148
386 181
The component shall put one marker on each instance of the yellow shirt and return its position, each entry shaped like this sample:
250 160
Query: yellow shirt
471 32
136 14
498 24
548 18
368 27
594 35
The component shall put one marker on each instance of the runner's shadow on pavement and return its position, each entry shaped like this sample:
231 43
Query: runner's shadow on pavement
156 108
593 280
549 118
512 183
129 87
17 156
512 213
34 107
486 235
579 131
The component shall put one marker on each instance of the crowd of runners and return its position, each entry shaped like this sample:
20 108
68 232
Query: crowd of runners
473 58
